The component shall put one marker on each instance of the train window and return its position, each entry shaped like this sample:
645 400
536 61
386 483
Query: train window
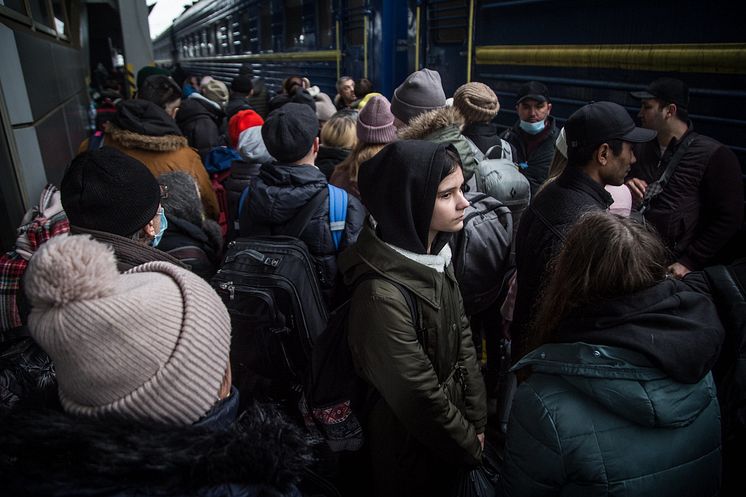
60 18
265 26
235 36
325 28
293 23
211 39
221 35
203 44
247 27
354 29
447 22
40 13
17 5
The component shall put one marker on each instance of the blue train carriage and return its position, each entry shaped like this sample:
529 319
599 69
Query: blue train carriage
587 50
321 40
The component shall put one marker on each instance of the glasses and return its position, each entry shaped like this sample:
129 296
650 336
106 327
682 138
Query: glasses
164 191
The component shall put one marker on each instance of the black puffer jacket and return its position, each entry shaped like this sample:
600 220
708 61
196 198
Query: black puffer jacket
54 454
535 151
200 120
280 193
541 235
236 104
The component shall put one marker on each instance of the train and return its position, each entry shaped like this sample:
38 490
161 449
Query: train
583 50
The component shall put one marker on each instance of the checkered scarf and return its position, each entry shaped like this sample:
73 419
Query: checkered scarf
40 223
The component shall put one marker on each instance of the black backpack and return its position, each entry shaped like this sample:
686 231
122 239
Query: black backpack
481 251
334 401
269 285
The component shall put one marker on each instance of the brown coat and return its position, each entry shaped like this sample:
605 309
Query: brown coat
163 154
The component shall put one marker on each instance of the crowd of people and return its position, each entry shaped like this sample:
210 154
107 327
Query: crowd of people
621 295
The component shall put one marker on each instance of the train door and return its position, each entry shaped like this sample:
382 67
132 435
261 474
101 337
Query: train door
445 33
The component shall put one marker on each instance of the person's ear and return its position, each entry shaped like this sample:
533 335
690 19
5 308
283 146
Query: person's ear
316 145
602 154
549 107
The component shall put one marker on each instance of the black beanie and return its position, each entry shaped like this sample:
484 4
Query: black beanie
242 84
289 131
107 190
399 185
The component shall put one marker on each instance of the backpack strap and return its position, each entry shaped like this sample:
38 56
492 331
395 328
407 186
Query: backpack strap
656 188
241 202
506 150
414 308
478 155
337 213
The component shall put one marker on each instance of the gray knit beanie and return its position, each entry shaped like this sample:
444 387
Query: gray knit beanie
375 123
476 102
151 344
420 92
181 197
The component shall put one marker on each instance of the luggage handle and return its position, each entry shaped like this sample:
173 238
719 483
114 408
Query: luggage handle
256 255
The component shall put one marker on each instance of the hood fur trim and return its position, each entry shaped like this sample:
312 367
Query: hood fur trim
130 139
43 453
426 124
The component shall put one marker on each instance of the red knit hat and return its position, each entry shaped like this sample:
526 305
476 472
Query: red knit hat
242 121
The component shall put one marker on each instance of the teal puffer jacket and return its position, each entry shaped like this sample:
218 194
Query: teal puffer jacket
597 420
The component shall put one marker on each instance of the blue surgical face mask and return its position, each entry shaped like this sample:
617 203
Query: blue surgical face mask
164 225
532 128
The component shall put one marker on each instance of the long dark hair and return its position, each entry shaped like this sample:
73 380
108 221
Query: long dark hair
604 256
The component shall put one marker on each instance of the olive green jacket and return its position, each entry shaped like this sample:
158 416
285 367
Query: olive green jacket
432 402
603 421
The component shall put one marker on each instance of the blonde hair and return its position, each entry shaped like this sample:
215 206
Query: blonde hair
361 153
339 131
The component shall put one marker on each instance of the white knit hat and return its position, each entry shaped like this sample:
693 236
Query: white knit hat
150 344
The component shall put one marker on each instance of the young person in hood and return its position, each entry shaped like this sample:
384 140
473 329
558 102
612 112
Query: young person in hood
427 409
619 398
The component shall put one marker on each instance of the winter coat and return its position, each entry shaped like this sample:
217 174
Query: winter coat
341 178
128 252
329 157
54 454
429 397
201 119
236 104
442 126
259 100
198 247
624 405
279 194
701 207
536 151
144 131
560 205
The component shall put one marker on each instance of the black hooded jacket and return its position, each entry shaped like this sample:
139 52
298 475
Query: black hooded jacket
279 194
144 118
410 170
49 453
200 121
675 327
199 247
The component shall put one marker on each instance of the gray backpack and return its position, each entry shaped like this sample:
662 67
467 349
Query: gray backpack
481 251
500 178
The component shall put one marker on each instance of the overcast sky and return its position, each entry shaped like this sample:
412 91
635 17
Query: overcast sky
164 13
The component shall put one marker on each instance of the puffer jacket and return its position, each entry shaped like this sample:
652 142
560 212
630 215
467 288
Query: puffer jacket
429 395
535 153
144 131
50 453
624 404
279 194
442 126
201 119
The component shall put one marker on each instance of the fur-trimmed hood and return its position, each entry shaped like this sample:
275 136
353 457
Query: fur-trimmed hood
51 453
442 126
130 139
426 124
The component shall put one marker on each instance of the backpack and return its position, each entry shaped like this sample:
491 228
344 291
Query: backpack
218 163
333 403
269 285
500 178
481 251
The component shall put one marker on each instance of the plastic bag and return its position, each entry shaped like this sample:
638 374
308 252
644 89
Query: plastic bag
481 481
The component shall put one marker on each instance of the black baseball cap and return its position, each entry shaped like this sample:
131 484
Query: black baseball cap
600 122
670 90
533 90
